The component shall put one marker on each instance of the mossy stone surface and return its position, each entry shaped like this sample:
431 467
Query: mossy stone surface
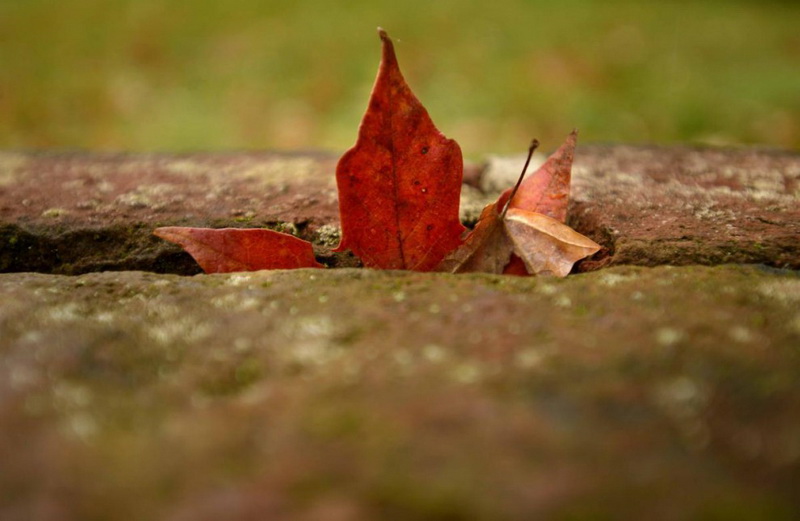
626 393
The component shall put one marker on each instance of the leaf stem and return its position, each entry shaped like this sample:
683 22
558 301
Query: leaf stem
531 149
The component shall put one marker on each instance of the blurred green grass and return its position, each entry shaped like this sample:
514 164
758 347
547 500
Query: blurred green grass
206 75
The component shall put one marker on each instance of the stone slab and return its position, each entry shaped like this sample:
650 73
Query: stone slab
626 393
80 212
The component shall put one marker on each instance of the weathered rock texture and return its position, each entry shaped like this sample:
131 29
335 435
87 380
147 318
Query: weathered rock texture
75 212
627 393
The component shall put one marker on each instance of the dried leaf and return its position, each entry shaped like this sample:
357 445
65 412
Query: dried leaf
545 245
521 241
486 249
399 185
233 249
546 191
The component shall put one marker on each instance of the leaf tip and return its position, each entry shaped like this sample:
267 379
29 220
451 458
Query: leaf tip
165 232
388 49
572 139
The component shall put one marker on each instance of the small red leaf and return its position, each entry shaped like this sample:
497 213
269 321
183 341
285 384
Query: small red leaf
516 267
234 249
546 191
399 185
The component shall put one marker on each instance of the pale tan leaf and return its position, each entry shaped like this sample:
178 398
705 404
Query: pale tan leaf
546 246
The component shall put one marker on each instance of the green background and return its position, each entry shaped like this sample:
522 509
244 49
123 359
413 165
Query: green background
208 75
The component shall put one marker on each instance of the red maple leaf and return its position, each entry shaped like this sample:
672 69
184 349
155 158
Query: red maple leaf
399 185
546 191
234 249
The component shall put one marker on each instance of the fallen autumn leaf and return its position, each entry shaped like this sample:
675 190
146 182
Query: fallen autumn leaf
544 245
233 249
399 185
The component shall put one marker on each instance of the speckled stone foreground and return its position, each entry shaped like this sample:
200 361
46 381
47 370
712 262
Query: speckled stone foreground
661 382
626 393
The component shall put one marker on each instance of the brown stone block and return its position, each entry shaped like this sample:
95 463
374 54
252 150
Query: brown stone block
79 212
